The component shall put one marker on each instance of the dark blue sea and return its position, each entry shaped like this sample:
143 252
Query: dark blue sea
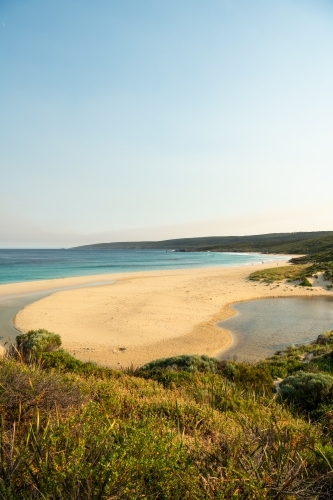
29 265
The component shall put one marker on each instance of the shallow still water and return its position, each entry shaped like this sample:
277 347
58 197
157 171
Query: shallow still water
262 327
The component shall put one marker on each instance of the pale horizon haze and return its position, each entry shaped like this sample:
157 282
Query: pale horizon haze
145 120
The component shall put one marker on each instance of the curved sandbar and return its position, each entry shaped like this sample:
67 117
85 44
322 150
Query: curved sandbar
11 304
149 315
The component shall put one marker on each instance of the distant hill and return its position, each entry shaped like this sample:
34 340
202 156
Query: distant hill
296 243
303 244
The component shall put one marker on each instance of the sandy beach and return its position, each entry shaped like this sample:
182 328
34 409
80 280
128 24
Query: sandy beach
146 315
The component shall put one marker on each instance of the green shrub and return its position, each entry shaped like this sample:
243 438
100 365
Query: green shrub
281 368
35 342
183 363
256 375
324 363
168 378
305 282
307 390
325 338
62 361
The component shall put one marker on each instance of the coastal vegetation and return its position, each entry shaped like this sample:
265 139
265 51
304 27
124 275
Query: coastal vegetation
319 262
183 427
302 269
281 273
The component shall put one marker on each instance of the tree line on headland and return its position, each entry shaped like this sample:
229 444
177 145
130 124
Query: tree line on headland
285 243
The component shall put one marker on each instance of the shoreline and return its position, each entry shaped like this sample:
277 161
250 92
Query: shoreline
88 278
146 315
11 304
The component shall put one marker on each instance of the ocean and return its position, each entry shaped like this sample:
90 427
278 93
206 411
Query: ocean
17 265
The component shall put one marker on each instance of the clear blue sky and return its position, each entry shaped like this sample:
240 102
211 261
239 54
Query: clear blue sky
130 119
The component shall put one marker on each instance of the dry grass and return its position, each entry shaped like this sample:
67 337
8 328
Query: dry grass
277 273
208 438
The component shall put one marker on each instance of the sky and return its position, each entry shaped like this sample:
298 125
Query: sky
144 120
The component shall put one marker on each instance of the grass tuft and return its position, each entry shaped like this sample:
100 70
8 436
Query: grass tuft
291 273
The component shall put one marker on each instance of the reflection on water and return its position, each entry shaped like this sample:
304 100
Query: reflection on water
264 326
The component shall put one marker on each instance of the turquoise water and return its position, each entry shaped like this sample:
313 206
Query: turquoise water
29 265
262 327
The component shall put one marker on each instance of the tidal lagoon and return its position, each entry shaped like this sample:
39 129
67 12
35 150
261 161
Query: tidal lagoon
262 327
